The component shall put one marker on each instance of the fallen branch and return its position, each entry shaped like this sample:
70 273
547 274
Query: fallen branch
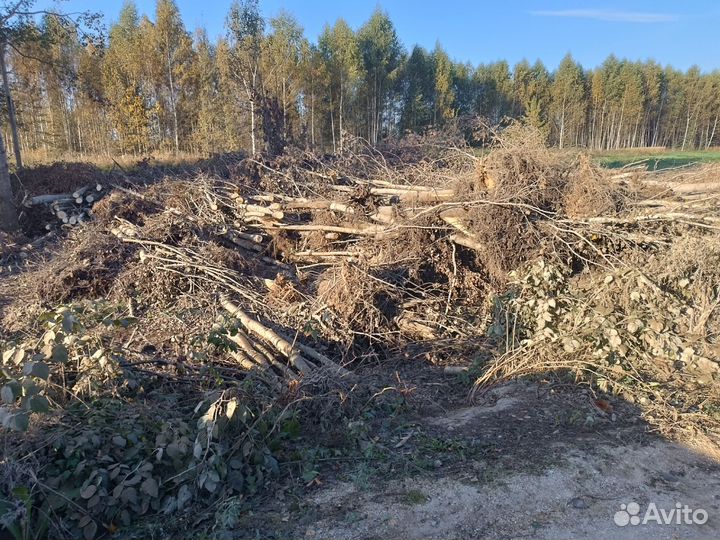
282 345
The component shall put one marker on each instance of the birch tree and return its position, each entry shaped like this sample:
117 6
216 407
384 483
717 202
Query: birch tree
245 35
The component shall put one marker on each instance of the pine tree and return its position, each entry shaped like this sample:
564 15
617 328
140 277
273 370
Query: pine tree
494 91
444 105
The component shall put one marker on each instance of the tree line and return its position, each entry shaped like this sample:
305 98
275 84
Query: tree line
151 85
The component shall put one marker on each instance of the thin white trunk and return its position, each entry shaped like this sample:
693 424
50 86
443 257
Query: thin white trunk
562 125
332 123
312 118
252 125
656 133
11 109
712 135
687 128
173 105
620 124
341 114
284 102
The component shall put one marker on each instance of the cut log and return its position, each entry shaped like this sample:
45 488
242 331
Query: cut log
268 334
257 210
322 254
466 241
245 244
324 360
416 329
307 204
257 238
243 342
359 229
407 195
243 359
457 218
48 199
684 217
439 195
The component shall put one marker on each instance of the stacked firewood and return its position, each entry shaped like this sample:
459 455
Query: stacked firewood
69 208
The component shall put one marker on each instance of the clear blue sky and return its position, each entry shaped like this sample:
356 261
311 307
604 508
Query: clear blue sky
678 32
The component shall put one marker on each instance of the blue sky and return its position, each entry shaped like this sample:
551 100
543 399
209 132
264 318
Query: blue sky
680 33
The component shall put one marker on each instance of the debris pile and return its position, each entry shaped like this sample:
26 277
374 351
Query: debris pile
285 275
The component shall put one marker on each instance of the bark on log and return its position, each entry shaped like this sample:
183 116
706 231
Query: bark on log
324 360
360 229
684 217
466 241
407 195
257 328
245 244
256 209
310 253
307 204
257 238
242 340
456 217
48 199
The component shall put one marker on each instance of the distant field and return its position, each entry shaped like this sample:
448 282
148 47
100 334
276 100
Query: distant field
656 160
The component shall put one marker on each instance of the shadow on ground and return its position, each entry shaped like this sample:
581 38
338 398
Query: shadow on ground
540 459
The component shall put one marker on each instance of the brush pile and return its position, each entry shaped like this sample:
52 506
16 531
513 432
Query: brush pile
372 254
288 272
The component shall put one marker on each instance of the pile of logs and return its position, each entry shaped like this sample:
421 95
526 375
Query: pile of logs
70 208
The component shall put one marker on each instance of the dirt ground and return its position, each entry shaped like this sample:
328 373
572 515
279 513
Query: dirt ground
536 460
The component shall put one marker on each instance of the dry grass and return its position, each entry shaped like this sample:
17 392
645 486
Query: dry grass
128 161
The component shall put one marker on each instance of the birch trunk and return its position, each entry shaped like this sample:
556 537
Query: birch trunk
11 111
8 212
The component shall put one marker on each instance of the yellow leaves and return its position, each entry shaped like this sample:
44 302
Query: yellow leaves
131 119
